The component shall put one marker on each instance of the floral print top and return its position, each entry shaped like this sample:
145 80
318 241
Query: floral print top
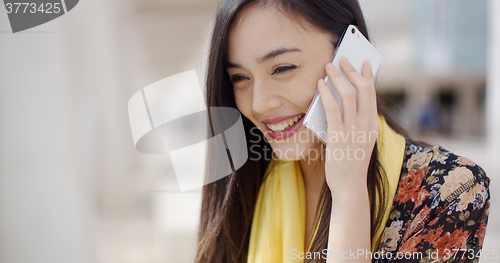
440 209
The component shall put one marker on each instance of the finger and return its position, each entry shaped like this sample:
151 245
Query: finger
367 101
332 108
358 81
351 73
347 94
366 71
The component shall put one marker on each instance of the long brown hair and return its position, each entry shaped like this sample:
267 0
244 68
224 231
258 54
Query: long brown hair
228 204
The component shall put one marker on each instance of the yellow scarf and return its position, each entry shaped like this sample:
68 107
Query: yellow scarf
278 226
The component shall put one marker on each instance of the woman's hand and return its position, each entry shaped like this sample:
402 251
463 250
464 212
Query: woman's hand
351 137
350 141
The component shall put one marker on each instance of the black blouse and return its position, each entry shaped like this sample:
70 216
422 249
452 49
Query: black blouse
440 209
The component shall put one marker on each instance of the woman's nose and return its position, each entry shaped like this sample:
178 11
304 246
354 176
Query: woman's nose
265 97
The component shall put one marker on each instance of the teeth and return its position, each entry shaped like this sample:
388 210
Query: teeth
281 127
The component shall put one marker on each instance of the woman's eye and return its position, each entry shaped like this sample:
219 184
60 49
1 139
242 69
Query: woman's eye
281 69
237 78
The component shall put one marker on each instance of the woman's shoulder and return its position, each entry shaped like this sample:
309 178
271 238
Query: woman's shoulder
442 202
438 175
442 167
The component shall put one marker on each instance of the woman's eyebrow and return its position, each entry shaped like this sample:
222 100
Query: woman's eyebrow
272 54
230 64
277 52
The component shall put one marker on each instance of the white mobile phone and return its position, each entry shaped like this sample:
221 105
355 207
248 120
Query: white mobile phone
357 49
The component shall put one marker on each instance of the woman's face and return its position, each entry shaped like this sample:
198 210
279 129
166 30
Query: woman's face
275 64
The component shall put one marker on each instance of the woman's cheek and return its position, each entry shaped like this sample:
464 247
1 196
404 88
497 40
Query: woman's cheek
305 92
238 98
243 105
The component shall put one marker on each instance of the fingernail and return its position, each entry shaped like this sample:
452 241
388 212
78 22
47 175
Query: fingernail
331 66
321 82
345 61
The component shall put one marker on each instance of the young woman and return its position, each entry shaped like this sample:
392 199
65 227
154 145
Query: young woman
371 194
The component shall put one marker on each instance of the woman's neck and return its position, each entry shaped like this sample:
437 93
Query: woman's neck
313 173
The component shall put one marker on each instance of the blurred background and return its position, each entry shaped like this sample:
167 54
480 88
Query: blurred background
74 189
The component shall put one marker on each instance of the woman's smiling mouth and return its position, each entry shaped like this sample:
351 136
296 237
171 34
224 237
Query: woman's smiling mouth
283 127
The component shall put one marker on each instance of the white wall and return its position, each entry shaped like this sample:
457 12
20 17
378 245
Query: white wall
45 201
